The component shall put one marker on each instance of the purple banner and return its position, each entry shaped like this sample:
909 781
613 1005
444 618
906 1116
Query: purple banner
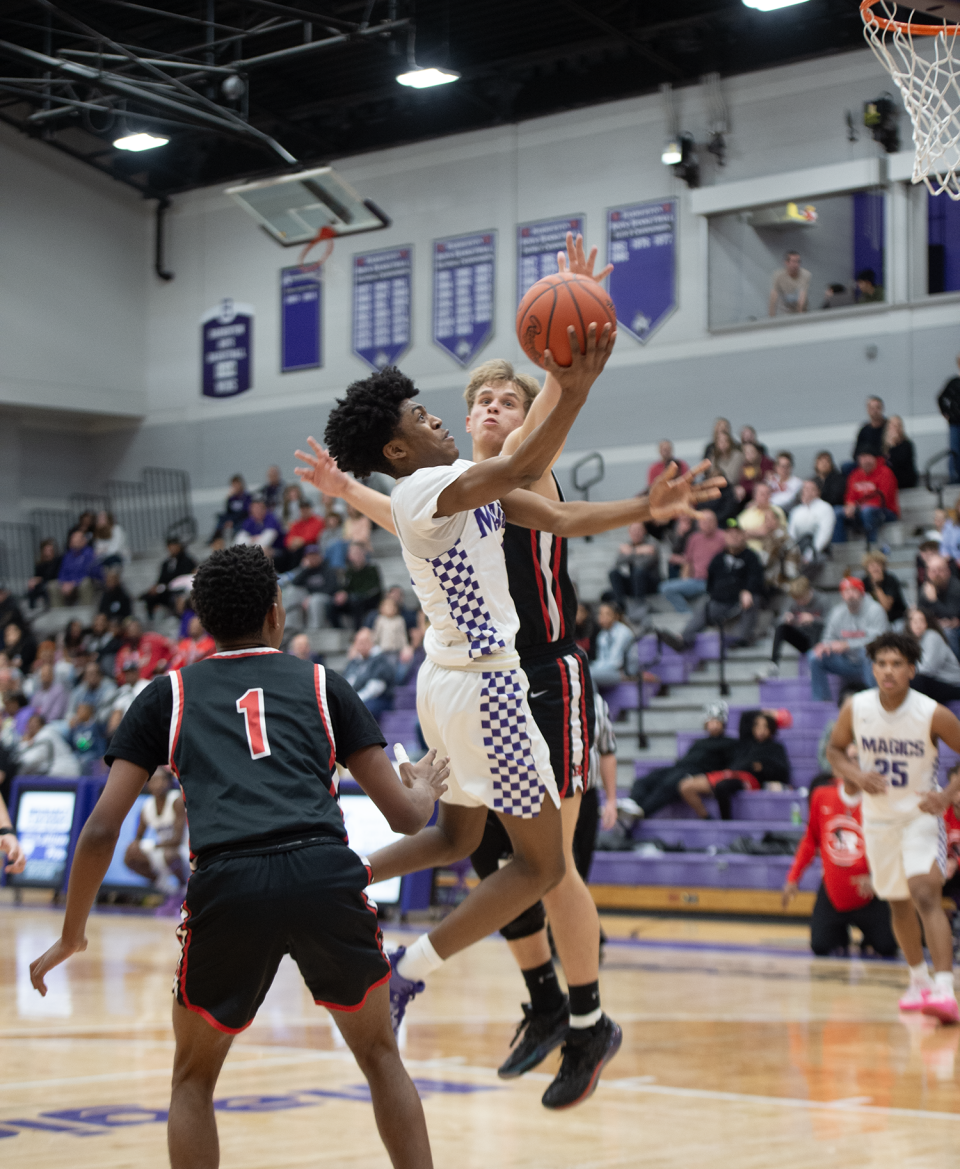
300 294
382 291
463 275
642 244
537 247
227 344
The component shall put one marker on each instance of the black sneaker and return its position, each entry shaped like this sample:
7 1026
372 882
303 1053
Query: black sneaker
585 1054
538 1034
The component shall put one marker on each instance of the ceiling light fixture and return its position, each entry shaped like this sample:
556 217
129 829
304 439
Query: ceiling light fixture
137 142
771 5
424 78
672 152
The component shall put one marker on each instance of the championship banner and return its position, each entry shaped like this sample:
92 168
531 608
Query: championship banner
463 274
537 247
300 304
382 294
227 346
642 244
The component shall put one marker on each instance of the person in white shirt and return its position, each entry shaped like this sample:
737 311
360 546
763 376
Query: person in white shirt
613 643
110 543
44 751
123 698
810 527
784 484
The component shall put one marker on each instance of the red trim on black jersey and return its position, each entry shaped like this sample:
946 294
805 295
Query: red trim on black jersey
242 653
320 689
176 683
557 592
541 590
357 1006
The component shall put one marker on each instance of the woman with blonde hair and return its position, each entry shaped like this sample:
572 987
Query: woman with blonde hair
883 586
719 425
899 453
110 542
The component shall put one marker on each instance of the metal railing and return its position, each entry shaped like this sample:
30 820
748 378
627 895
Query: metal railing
17 555
936 483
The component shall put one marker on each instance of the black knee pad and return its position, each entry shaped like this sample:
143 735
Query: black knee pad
530 922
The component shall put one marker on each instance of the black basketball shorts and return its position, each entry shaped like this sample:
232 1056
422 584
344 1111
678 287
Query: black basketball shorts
561 702
243 913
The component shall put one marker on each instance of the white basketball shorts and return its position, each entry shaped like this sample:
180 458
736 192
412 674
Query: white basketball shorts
898 851
482 720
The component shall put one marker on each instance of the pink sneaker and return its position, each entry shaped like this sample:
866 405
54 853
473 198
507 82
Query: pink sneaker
941 1005
914 999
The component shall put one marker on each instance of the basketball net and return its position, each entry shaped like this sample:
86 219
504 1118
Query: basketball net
929 83
325 234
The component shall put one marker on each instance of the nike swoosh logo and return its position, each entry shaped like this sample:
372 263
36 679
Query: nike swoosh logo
539 694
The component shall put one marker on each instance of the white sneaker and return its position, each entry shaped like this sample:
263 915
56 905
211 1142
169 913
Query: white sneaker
768 671
628 811
915 998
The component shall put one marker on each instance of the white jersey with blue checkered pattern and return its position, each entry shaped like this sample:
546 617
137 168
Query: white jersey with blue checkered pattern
458 570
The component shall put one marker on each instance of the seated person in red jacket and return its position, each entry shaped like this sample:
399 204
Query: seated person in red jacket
757 761
871 495
150 652
845 896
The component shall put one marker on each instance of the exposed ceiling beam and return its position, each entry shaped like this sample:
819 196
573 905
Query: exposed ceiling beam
641 48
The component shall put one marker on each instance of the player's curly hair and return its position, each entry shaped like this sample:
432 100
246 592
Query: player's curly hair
233 591
362 423
905 644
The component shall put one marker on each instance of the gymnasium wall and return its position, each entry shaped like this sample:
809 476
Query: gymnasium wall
801 383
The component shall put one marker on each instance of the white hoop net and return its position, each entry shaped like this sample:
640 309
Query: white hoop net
927 74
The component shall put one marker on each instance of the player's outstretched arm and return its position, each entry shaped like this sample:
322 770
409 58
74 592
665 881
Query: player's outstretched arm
484 482
16 858
323 473
670 495
90 863
946 727
407 805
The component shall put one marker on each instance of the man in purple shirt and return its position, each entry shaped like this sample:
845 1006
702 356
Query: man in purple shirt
78 571
702 546
261 527
50 698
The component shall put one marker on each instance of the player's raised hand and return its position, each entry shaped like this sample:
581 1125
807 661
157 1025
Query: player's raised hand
575 261
321 470
673 494
585 367
430 771
59 952
16 857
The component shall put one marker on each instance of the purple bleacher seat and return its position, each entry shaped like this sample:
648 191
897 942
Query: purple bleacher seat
725 871
707 646
625 696
399 725
405 698
700 834
643 767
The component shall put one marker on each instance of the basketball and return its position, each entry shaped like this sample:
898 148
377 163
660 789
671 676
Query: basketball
555 303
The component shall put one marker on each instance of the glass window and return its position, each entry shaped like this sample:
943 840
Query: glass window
943 244
806 256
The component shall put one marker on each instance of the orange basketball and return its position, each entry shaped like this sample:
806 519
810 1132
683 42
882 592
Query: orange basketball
553 304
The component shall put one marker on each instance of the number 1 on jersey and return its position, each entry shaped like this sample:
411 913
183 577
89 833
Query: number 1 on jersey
251 707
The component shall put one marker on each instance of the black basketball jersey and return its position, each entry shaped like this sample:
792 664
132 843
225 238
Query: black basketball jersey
540 586
253 736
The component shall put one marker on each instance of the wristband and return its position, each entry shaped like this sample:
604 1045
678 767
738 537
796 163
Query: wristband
5 831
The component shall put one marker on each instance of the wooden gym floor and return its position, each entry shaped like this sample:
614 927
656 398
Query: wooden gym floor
739 1051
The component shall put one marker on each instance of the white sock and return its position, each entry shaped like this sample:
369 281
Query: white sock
919 975
420 960
943 981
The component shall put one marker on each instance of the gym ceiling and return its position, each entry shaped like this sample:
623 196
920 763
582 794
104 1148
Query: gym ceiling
241 87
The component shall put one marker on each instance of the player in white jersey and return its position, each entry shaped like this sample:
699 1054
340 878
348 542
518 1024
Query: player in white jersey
896 731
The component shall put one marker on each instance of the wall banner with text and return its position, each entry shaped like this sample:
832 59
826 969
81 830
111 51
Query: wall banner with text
382 294
463 285
537 247
226 334
642 246
300 307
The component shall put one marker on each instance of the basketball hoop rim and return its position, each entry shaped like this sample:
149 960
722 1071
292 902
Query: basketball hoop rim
326 234
904 26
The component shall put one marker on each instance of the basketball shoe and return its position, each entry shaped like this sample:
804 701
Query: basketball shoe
538 1033
914 998
402 990
942 1005
586 1053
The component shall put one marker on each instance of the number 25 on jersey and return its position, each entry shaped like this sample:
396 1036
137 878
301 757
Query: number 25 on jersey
899 775
255 723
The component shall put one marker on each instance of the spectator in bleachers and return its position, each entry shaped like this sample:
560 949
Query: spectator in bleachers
412 656
50 697
899 453
800 626
701 547
370 672
868 290
19 645
290 506
938 672
726 458
332 543
45 570
390 628
361 590
44 751
830 479
883 586
115 602
585 630
871 497
662 785
305 530
272 490
357 529
79 573
870 435
197 645
837 296
939 597
949 532
756 467
765 526
86 738
300 648
734 589
150 651
846 896
311 588
810 528
678 534
720 425
131 684
784 484
748 434
852 623
636 573
85 524
94 689
790 288
178 563
614 639
110 542
261 527
948 402
757 760
235 510
665 450
410 616
103 642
